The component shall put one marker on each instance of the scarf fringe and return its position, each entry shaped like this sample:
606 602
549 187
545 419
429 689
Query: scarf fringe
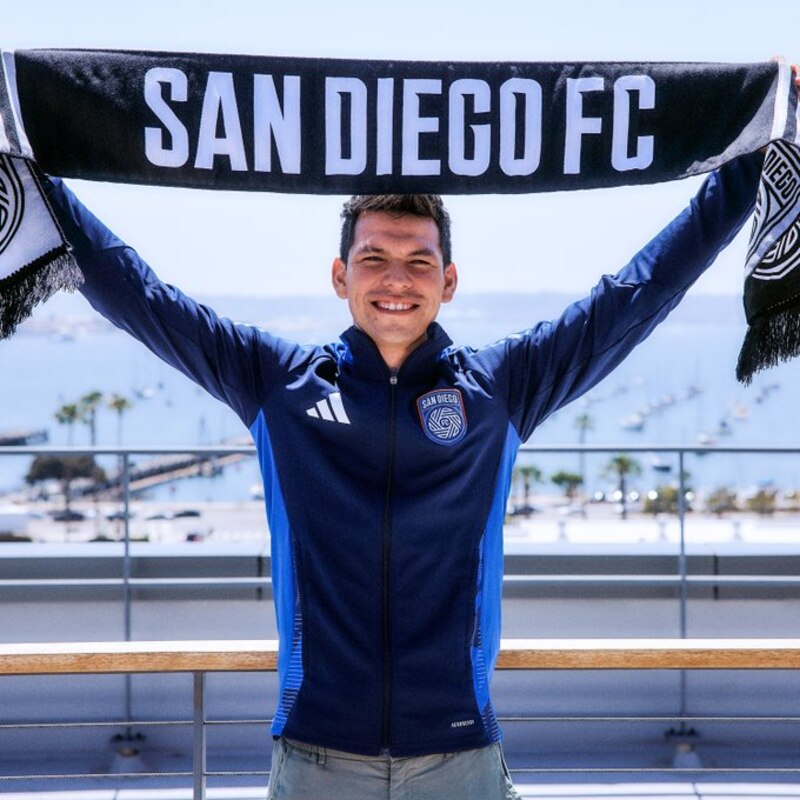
769 342
26 288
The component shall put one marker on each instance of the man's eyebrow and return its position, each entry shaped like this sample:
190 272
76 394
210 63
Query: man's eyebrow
368 247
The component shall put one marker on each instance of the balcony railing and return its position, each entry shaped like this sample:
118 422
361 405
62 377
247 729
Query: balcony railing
206 657
201 659
186 461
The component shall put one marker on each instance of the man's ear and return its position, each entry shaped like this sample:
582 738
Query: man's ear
450 282
339 278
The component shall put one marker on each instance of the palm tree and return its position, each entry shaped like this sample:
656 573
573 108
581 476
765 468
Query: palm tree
529 475
68 415
88 406
584 423
568 481
620 467
120 404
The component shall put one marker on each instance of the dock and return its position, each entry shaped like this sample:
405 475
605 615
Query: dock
164 469
22 437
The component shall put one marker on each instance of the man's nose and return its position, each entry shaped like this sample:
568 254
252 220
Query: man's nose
396 273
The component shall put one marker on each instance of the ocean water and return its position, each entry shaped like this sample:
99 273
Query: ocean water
679 384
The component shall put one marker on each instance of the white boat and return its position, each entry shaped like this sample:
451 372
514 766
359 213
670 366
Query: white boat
633 422
659 465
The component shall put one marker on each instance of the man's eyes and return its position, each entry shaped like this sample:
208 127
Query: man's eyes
371 261
417 263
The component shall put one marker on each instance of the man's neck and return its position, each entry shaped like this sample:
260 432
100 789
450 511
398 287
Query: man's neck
394 358
394 355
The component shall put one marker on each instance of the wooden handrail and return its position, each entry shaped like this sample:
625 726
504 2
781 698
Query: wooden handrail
536 654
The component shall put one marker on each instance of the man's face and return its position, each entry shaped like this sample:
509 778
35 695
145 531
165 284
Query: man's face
394 280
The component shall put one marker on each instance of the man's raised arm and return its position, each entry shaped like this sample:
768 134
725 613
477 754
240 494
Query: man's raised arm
556 362
231 361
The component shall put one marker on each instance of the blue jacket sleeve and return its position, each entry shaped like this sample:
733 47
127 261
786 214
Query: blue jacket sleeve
236 363
544 368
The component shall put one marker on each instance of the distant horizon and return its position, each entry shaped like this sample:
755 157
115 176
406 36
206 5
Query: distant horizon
472 294
508 311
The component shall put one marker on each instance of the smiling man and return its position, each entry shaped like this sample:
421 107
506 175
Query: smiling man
387 460
394 270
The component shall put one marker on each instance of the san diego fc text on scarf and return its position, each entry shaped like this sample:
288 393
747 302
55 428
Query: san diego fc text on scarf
346 126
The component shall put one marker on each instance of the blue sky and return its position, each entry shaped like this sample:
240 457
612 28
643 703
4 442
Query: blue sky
258 244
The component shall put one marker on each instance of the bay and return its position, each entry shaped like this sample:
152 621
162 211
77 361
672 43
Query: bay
679 385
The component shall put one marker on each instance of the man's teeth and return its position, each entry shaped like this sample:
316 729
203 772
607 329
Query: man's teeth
395 306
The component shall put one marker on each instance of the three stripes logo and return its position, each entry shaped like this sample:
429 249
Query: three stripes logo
330 409
443 416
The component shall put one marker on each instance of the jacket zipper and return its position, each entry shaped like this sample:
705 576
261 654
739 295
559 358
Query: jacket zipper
386 536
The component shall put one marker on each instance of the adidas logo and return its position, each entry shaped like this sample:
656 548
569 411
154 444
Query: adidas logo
330 408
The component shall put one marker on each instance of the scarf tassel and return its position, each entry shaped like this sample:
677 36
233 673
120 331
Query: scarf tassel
768 342
34 283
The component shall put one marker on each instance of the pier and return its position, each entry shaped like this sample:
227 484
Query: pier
166 468
21 437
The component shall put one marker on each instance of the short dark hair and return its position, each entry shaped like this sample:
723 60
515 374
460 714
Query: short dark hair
419 205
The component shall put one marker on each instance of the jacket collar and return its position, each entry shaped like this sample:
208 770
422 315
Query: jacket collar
362 355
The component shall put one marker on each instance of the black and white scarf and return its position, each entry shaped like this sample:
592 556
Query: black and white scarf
343 127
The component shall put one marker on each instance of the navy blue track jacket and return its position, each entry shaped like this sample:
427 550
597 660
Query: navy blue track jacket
386 494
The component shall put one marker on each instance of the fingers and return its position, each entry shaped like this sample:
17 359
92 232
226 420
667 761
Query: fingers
795 68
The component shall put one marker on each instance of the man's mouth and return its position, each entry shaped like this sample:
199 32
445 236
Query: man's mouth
384 305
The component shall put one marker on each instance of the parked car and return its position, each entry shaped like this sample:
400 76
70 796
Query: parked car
68 515
524 510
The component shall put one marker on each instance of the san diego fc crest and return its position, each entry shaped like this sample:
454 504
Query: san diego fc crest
443 416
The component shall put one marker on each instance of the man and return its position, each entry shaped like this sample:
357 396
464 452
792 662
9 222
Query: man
387 459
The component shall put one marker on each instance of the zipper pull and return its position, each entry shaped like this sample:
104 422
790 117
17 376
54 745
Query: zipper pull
393 380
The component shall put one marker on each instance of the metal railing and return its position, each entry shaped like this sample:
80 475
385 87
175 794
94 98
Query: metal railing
127 582
202 658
